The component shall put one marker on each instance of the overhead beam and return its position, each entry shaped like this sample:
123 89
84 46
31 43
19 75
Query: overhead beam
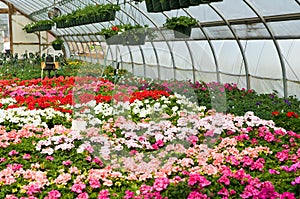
253 20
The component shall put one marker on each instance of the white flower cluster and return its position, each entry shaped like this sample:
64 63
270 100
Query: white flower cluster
8 101
54 143
21 116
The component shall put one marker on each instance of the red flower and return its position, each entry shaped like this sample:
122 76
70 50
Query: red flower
115 28
275 113
292 114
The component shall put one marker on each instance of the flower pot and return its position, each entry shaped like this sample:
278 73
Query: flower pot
165 5
57 46
114 40
184 3
149 6
157 6
44 27
135 39
174 4
182 31
29 31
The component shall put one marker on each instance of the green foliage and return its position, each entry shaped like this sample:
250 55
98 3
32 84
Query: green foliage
173 22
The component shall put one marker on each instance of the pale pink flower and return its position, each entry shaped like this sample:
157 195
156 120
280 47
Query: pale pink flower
26 156
67 162
13 152
77 188
94 183
54 194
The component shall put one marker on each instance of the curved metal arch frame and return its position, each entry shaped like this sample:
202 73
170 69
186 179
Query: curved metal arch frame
239 44
283 69
210 46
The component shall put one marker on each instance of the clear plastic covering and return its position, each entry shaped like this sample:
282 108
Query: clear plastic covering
253 43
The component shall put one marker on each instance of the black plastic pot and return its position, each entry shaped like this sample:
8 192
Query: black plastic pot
165 5
174 4
149 5
182 31
114 40
184 3
57 46
44 27
135 39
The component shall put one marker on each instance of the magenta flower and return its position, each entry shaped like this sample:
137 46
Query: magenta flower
67 162
103 194
296 181
224 180
193 139
2 160
196 195
161 184
272 171
13 152
287 195
283 155
83 196
197 178
94 183
129 194
54 194
223 192
33 189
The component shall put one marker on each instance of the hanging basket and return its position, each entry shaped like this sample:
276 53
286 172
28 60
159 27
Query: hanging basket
114 40
184 3
149 6
135 39
57 46
182 31
165 5
44 27
174 4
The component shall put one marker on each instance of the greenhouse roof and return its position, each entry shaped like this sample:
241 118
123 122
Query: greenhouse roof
249 19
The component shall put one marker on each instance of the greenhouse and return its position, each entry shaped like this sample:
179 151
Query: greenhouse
149 99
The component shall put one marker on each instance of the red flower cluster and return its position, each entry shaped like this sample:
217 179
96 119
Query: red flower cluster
141 95
275 113
292 114
115 28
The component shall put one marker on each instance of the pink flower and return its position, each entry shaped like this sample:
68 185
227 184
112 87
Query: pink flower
26 156
67 162
88 158
272 171
197 178
13 152
145 189
258 164
193 139
129 194
54 194
161 184
159 143
50 158
224 192
98 161
196 195
33 189
2 160
247 161
103 194
283 155
94 183
296 181
77 188
224 179
83 196
287 195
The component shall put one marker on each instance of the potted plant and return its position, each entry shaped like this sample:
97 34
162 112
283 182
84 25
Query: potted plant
134 34
57 44
41 25
182 25
112 34
89 14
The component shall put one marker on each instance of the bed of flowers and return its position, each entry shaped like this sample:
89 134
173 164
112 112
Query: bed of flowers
141 140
